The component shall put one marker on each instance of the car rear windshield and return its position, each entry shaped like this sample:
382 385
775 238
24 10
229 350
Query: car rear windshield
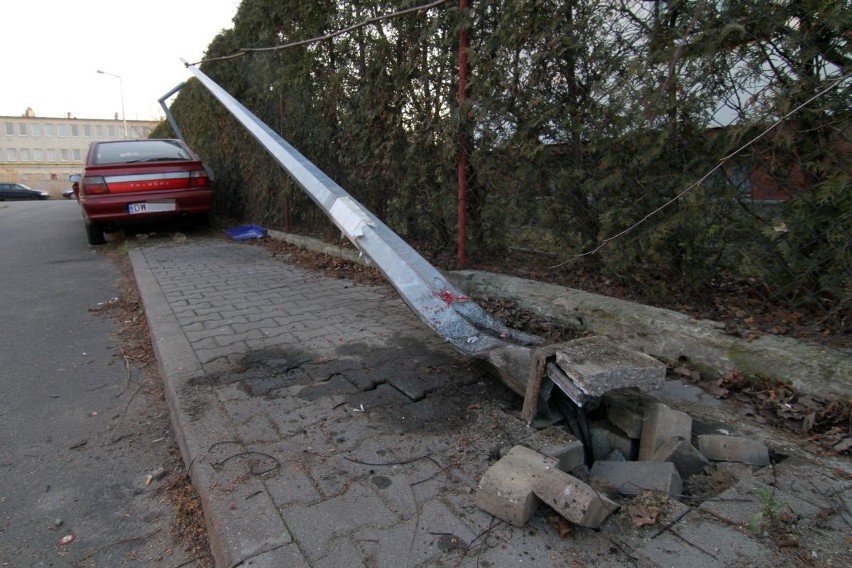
133 151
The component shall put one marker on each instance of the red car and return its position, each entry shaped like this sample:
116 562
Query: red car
133 181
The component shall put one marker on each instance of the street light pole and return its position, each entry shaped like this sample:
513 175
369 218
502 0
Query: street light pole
121 90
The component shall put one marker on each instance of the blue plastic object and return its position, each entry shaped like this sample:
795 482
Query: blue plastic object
246 233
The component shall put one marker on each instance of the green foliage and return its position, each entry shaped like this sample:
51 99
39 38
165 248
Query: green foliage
584 120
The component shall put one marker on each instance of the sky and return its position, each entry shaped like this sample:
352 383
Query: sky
51 51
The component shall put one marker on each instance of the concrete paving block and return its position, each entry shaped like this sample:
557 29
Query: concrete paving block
660 424
700 541
288 555
631 478
316 527
575 500
342 553
506 488
557 443
687 459
606 438
717 447
625 409
436 533
598 365
382 395
336 384
416 385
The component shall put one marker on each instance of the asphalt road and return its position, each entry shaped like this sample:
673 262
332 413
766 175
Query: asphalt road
78 434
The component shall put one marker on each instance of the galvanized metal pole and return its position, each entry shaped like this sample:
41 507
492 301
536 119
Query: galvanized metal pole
428 293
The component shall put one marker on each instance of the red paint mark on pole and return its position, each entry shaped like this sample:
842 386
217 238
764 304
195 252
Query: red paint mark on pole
450 297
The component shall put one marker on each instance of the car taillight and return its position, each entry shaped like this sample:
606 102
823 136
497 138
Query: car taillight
198 178
94 185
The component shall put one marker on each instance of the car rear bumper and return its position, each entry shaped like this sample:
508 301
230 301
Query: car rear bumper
113 208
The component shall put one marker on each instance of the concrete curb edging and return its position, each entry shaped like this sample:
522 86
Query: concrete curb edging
663 333
672 335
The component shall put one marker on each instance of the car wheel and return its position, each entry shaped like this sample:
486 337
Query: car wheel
95 234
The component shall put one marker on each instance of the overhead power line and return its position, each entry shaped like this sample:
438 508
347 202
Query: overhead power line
246 50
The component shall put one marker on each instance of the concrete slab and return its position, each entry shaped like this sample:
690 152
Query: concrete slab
598 365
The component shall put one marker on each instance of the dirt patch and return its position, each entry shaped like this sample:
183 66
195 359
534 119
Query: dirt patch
136 355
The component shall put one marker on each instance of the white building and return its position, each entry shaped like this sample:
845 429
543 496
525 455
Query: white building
42 152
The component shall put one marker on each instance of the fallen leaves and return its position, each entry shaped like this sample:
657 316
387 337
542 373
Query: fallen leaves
642 514
562 527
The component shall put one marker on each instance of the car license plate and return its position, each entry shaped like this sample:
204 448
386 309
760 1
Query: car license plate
151 207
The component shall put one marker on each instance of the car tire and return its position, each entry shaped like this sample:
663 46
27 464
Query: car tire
95 234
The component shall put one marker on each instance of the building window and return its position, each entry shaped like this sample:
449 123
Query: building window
75 130
77 157
87 131
22 129
35 129
99 130
11 154
10 129
38 155
64 155
2 155
62 130
51 155
25 155
48 130
112 132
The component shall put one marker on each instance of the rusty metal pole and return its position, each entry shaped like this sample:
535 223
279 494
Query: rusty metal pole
464 140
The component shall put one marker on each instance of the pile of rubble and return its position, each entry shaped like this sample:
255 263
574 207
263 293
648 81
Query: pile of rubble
641 445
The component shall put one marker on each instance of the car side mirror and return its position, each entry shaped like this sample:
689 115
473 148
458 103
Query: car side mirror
74 178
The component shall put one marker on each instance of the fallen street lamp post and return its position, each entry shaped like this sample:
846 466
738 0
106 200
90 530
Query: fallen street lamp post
581 370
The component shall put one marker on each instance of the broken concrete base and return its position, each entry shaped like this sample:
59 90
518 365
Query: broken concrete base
587 368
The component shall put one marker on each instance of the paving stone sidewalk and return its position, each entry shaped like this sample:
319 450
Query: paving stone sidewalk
324 426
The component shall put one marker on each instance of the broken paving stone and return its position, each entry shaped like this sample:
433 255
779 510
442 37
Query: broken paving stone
660 424
687 459
717 447
557 443
631 478
575 500
506 488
